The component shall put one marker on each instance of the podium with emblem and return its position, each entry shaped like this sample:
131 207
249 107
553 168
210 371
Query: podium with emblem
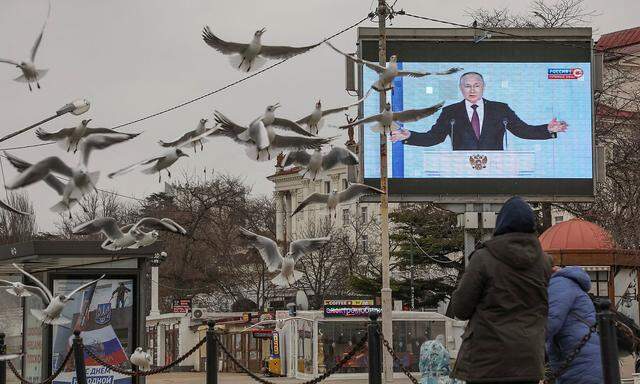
483 164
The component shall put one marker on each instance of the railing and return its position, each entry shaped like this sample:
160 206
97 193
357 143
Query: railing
606 327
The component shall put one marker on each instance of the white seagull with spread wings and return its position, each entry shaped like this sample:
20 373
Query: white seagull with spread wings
69 138
260 138
52 314
272 257
386 120
30 74
131 235
316 162
390 72
331 200
160 162
192 137
315 120
251 56
80 182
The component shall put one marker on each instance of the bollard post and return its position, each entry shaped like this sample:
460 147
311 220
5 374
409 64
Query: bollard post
78 357
375 366
212 354
3 364
608 342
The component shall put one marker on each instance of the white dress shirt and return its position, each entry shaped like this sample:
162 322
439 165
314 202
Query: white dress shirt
480 110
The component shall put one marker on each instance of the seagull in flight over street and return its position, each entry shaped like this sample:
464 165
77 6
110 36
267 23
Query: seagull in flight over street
250 56
188 138
316 162
30 74
80 181
131 235
69 138
315 120
272 257
260 138
160 163
390 72
331 200
52 314
386 120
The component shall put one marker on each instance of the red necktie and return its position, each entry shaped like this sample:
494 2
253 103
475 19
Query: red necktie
475 121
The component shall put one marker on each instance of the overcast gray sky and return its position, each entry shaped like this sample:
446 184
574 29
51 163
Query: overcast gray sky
135 57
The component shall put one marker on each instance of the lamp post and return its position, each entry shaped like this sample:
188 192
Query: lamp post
76 107
156 260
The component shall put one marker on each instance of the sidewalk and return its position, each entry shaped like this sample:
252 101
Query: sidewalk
238 378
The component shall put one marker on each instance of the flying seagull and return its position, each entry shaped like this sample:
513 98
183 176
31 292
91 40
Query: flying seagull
390 72
251 56
30 74
160 162
272 257
315 120
261 139
270 120
129 236
52 314
386 120
17 288
51 180
101 141
79 184
331 200
192 137
141 359
69 138
316 162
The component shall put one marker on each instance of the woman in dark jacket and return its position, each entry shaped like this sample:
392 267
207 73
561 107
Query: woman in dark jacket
503 294
571 314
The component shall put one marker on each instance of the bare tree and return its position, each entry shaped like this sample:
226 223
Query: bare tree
541 14
100 204
18 228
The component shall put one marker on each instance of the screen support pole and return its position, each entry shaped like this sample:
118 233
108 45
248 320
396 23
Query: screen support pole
387 329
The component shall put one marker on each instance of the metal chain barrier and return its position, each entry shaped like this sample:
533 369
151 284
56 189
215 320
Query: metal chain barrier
48 379
624 328
550 376
144 373
356 348
397 360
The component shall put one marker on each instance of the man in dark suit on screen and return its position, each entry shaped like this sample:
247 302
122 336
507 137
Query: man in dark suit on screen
476 123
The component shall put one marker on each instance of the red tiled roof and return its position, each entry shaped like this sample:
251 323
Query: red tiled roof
619 39
576 234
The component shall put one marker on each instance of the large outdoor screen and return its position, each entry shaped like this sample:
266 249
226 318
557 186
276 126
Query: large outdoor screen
513 121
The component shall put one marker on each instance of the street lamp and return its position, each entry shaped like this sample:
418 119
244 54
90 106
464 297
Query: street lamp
76 107
155 262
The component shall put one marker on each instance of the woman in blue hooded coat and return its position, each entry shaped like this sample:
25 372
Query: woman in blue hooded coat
571 314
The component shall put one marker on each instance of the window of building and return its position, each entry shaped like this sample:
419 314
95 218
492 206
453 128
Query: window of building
559 219
363 214
327 187
599 283
365 241
345 216
345 184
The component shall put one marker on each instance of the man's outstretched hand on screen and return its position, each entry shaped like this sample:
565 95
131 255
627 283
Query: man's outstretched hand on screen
557 126
399 135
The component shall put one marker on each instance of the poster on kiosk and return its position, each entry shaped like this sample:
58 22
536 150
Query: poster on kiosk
104 314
